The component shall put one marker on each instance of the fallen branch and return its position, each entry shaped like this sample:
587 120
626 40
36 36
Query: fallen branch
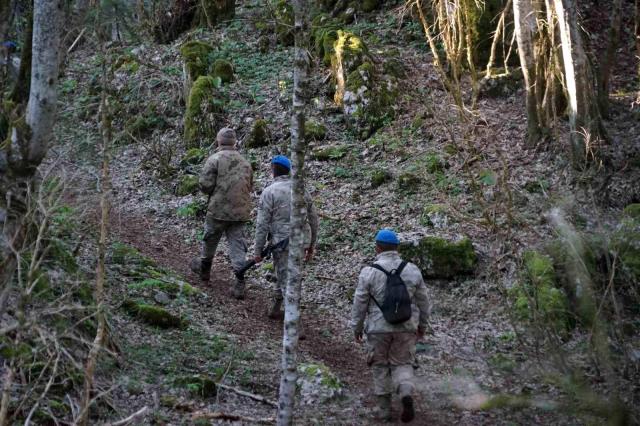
253 396
73 45
231 417
141 412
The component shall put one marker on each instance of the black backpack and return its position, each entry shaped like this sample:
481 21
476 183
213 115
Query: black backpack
396 307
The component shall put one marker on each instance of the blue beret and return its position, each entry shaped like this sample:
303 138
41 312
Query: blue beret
281 160
9 45
387 236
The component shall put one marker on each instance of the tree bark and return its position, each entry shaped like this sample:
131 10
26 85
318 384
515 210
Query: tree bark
298 214
637 34
526 29
610 56
585 121
22 84
29 137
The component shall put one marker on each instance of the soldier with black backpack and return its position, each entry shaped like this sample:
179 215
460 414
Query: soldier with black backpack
392 296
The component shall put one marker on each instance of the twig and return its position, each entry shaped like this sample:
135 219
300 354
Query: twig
232 417
253 396
73 45
141 412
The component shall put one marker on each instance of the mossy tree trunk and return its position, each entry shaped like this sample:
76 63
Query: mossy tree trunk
585 122
20 90
526 17
29 135
298 214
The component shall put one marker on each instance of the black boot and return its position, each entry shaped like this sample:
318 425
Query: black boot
274 310
408 412
201 267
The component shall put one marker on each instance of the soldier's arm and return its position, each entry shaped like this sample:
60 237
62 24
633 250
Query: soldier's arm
209 175
262 222
313 220
360 304
422 302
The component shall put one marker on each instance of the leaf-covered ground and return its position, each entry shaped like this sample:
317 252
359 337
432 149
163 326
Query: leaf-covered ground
487 186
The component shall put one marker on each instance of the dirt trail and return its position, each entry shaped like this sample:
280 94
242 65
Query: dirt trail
246 318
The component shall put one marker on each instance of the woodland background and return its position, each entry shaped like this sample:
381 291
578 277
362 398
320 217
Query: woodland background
500 138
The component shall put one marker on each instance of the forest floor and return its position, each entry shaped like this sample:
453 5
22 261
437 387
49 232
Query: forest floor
475 350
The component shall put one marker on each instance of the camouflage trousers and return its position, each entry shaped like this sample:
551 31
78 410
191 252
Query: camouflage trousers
391 357
280 260
233 231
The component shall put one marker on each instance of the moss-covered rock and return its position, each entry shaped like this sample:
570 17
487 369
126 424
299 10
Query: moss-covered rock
283 11
318 383
369 5
500 84
632 211
409 181
435 216
537 296
195 55
198 385
152 315
259 135
126 255
324 33
205 112
331 152
212 12
349 53
380 177
224 70
314 130
192 157
188 184
369 98
439 258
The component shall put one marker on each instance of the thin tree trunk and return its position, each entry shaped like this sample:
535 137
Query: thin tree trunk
526 27
105 188
610 56
500 29
637 34
289 376
585 122
22 85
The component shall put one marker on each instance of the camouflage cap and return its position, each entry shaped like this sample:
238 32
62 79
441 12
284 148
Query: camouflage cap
226 136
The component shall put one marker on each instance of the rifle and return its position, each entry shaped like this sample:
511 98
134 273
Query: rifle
264 254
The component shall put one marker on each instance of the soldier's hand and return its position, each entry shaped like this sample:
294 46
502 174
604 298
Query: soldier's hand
258 259
308 254
359 337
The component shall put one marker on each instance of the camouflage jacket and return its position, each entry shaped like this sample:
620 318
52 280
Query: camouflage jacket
372 283
227 177
274 215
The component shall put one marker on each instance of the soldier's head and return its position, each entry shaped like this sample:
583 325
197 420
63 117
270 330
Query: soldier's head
386 240
226 137
280 165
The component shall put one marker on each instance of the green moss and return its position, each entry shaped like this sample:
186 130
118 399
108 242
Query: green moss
333 152
537 296
380 177
198 385
196 58
434 164
324 33
369 5
439 258
284 22
315 371
188 184
632 211
259 135
349 52
409 181
212 12
223 69
314 130
172 287
451 149
123 254
192 157
205 109
152 315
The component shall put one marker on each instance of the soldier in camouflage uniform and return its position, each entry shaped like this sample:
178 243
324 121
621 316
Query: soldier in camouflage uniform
390 348
227 178
274 216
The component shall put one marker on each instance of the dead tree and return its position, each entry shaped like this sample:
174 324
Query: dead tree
298 215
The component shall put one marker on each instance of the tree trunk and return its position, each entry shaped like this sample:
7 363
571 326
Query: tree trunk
610 57
21 86
637 34
585 121
526 29
298 215
30 136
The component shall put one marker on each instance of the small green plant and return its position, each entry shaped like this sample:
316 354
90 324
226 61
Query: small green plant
192 209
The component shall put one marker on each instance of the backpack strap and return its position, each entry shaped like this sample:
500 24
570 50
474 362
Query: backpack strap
380 268
400 267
